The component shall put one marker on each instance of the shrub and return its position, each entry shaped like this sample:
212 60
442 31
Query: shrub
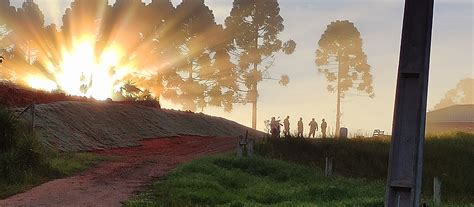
20 153
8 129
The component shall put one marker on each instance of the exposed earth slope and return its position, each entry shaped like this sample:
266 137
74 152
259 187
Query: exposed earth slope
84 126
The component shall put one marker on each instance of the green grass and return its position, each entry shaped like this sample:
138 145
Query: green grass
448 156
57 165
230 181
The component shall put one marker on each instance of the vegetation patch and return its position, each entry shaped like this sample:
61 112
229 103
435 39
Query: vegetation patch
447 156
232 181
24 162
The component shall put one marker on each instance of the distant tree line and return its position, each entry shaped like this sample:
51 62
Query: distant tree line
189 58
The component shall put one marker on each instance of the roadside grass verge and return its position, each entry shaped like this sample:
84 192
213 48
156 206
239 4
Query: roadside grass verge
230 181
447 156
25 162
56 165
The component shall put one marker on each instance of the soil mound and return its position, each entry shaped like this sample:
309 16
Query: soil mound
85 126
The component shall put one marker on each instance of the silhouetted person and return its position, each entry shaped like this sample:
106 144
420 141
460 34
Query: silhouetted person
286 124
275 127
324 126
313 127
300 128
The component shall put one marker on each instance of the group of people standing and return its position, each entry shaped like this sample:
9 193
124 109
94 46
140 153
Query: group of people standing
313 127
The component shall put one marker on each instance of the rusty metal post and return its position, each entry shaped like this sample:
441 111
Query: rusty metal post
406 151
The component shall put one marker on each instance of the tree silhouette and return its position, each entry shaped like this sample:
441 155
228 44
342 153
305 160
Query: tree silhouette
82 18
255 25
125 23
28 31
156 45
7 14
204 74
341 46
462 94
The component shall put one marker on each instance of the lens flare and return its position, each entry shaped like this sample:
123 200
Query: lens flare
41 83
81 72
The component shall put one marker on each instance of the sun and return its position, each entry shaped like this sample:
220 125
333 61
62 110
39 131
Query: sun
82 72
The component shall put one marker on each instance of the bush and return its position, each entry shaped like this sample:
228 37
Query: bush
20 153
8 129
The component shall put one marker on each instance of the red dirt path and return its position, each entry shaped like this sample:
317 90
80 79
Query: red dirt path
112 182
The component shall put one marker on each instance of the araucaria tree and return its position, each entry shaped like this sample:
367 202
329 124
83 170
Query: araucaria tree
255 25
341 46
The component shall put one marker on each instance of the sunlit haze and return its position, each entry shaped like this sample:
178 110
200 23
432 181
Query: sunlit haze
80 64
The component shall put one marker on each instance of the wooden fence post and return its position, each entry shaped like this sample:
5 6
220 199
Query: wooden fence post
240 147
436 192
329 168
250 145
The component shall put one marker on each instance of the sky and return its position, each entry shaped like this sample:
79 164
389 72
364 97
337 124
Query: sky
380 23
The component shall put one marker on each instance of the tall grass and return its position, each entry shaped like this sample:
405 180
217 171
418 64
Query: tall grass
448 156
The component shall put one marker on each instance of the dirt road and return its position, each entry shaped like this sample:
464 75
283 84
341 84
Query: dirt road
112 182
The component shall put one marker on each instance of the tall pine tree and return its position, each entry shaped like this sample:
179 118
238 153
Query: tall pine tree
255 25
341 45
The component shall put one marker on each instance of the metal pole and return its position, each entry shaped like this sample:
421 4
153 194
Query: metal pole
406 151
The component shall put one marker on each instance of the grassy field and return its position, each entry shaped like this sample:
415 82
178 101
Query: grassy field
230 181
226 180
449 157
25 163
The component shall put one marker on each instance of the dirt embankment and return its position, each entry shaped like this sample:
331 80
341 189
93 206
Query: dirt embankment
85 126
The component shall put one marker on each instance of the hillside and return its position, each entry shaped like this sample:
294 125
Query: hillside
84 126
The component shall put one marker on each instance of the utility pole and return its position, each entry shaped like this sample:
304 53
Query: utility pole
406 151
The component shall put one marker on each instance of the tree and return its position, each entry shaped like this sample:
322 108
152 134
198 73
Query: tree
156 46
125 23
7 14
82 18
202 74
462 94
341 45
28 31
8 18
255 25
